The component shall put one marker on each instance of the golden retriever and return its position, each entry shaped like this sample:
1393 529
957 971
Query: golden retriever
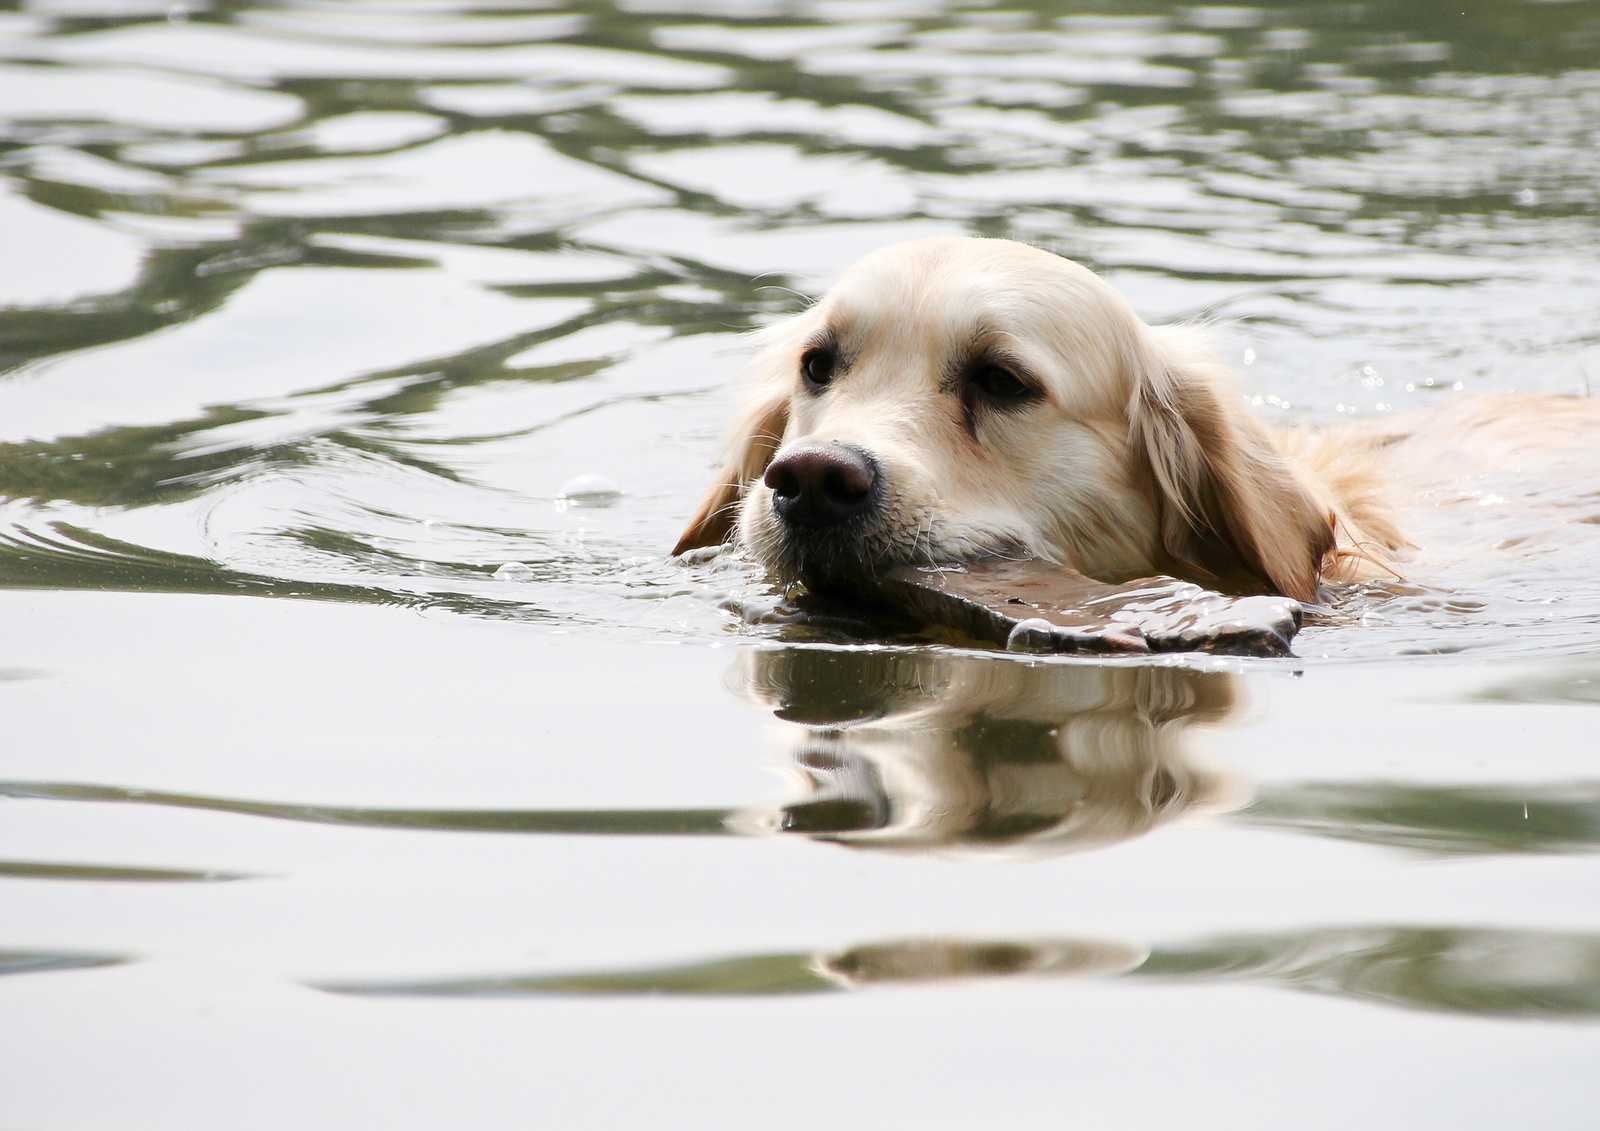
952 398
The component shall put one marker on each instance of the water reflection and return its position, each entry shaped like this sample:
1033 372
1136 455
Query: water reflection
571 822
1449 820
1501 973
904 963
1574 683
983 756
330 302
112 873
907 749
1492 973
913 750
1022 800
39 961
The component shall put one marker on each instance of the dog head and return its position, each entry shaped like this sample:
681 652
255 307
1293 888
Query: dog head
952 398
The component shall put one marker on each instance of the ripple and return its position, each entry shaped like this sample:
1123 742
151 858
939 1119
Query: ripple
347 326
468 171
140 98
1486 973
37 962
110 873
250 56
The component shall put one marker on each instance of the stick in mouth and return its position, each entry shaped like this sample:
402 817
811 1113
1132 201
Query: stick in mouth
1034 606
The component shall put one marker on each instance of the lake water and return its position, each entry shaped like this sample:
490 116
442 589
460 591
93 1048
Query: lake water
368 764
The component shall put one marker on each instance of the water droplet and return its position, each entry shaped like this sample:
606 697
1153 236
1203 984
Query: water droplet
514 571
1249 357
1033 635
588 491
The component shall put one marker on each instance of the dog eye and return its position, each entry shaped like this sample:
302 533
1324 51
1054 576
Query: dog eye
816 366
1000 385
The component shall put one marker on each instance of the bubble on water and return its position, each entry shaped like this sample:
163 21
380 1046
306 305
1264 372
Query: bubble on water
1527 197
700 554
1032 635
514 571
588 491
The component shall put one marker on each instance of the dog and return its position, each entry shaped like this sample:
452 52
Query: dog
954 398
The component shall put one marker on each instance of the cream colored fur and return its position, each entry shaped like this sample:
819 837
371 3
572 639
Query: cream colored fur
1139 457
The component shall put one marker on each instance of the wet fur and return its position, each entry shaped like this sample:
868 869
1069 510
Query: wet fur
1139 456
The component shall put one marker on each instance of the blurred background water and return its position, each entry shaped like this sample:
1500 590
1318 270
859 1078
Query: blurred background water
368 762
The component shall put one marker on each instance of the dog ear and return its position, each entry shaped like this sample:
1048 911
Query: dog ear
751 442
1230 501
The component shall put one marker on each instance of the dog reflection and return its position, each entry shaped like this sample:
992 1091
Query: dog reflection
984 756
921 961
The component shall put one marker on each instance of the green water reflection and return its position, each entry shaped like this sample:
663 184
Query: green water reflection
1495 973
41 870
576 822
976 756
1439 819
36 962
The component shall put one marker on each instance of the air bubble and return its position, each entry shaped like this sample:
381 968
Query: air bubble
588 491
1032 635
514 571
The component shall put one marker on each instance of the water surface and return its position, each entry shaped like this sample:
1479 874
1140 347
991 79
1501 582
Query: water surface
368 760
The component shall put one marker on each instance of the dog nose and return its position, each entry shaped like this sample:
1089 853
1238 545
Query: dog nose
821 484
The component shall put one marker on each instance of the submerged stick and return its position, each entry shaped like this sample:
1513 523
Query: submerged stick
1033 606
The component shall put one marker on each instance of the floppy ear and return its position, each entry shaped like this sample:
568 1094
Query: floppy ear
751 441
1229 500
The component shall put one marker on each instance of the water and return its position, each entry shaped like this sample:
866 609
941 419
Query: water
367 762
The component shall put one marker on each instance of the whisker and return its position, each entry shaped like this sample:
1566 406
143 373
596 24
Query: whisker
1357 549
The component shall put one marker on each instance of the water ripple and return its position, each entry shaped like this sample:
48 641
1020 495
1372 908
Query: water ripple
338 297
